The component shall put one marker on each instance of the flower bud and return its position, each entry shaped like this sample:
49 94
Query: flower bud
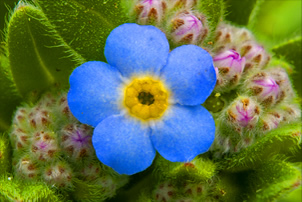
58 174
281 77
44 146
243 113
150 11
164 192
290 112
265 88
255 55
27 168
76 140
271 120
188 4
230 37
39 117
230 66
188 28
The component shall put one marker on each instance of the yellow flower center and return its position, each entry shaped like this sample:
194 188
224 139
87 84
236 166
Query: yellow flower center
146 98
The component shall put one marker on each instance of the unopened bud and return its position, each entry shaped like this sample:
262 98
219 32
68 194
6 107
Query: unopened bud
58 174
230 66
281 77
182 3
230 37
255 54
265 88
76 140
44 146
150 11
244 112
188 28
271 120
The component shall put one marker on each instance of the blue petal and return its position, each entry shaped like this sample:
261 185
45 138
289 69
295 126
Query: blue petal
135 49
93 93
183 133
123 144
189 74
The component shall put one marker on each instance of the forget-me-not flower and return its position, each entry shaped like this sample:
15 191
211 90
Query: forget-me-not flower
146 99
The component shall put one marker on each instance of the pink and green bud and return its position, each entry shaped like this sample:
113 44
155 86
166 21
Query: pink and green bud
39 117
164 192
187 4
59 174
265 88
291 112
27 168
255 55
76 140
230 66
244 113
271 120
281 77
230 37
44 146
150 11
188 28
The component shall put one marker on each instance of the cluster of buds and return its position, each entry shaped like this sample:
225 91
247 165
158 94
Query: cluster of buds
184 25
241 40
48 140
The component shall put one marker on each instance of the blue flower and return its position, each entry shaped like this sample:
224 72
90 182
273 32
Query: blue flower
146 99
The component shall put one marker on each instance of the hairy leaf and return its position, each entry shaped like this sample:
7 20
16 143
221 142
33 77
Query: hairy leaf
272 179
38 57
12 189
5 154
278 141
9 97
84 25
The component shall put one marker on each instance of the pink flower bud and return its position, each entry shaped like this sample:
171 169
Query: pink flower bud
76 140
58 174
265 88
271 120
255 55
230 37
188 28
44 146
150 11
281 77
230 66
244 112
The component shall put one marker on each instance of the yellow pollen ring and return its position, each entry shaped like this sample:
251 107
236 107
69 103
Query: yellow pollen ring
146 98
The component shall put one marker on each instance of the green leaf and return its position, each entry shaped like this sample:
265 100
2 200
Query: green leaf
84 25
239 12
214 11
279 141
291 52
272 179
5 154
38 56
12 189
9 98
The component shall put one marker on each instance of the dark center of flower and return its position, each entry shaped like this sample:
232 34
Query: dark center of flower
145 98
